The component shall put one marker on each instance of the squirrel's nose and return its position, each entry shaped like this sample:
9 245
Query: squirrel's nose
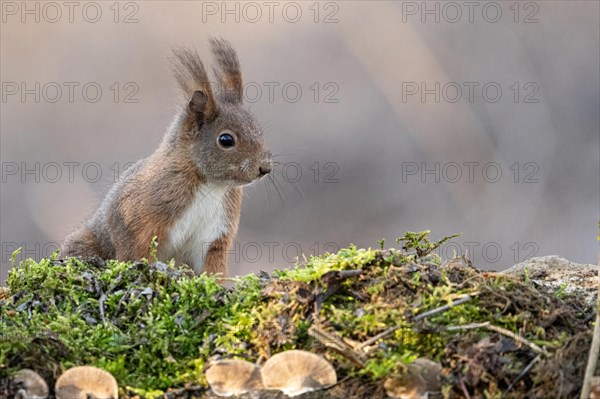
264 169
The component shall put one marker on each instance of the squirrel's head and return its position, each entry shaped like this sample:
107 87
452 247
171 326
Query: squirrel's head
217 132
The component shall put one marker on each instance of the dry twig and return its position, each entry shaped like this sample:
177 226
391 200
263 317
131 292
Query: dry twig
521 374
489 326
441 309
432 312
331 340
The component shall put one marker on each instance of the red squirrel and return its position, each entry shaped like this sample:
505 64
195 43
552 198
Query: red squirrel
188 193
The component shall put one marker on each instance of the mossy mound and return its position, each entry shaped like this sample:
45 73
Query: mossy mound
154 326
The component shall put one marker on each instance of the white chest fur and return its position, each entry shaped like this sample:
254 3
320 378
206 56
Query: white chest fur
201 223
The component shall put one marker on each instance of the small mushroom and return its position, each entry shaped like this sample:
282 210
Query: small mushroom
30 385
233 377
296 372
85 382
422 377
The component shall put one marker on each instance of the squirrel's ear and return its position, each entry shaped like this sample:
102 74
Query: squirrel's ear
228 70
198 106
193 80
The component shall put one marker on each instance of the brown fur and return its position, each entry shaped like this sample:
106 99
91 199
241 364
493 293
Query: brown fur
155 193
229 75
148 207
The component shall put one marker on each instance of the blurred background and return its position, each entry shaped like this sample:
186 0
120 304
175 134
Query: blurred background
458 117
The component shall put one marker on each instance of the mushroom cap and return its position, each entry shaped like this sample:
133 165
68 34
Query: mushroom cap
33 385
296 372
233 377
84 381
421 378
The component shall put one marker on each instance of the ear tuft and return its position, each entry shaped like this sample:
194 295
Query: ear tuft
193 80
228 70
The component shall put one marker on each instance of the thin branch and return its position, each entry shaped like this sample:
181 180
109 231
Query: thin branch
379 336
489 326
521 375
471 326
432 312
340 382
331 340
441 309
518 338
101 303
123 299
330 284
464 388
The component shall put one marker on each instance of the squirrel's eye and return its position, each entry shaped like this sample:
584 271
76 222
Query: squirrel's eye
226 140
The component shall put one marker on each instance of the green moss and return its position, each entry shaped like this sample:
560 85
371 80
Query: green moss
154 326
346 258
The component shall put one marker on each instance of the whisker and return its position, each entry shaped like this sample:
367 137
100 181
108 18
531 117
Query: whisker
268 191
283 154
268 123
294 186
273 180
